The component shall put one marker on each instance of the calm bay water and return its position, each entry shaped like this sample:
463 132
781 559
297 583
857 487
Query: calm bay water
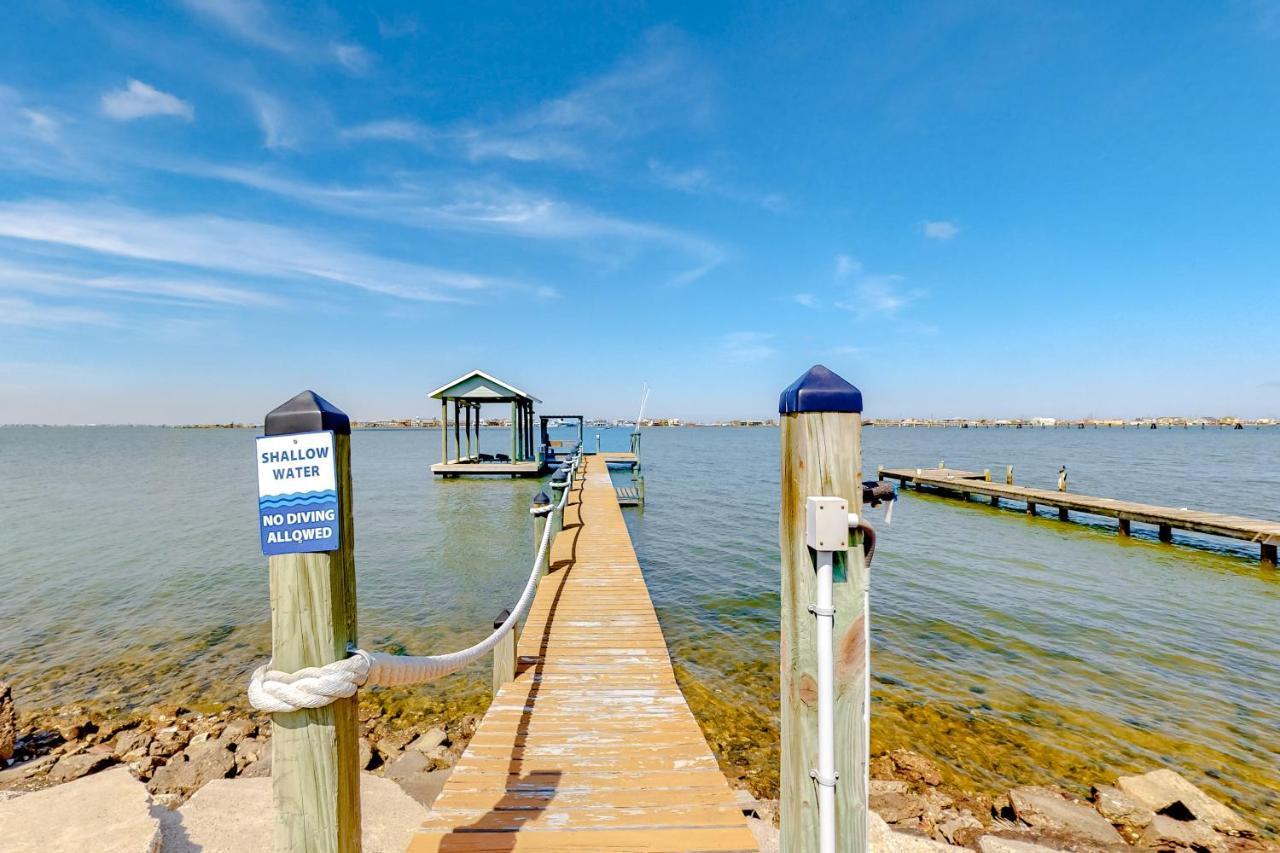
1015 650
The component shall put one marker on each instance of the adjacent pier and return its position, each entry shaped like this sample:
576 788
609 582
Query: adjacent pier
591 746
1265 534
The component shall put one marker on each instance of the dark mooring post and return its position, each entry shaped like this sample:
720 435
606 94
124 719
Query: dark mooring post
315 777
821 424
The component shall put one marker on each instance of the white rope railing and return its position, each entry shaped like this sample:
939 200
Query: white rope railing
316 686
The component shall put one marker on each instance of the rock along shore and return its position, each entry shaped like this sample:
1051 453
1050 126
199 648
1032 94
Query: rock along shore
175 752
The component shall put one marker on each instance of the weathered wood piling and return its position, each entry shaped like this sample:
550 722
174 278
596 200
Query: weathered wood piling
315 777
821 422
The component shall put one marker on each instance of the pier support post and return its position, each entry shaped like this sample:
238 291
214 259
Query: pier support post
557 518
315 773
540 510
1008 475
1269 556
1062 514
1124 527
1166 533
444 430
821 421
1031 508
504 654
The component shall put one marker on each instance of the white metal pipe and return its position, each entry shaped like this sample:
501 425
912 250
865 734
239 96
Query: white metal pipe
826 774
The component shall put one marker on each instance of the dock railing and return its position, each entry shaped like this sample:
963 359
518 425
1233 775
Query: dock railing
310 684
824 637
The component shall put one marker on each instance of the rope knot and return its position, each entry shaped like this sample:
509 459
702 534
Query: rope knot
310 687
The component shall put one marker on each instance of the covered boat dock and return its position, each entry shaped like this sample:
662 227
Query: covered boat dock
467 394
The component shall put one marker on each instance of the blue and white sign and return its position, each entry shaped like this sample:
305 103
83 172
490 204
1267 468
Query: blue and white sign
297 493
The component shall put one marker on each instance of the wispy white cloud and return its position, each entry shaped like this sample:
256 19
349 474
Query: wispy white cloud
941 230
166 288
1266 17
747 347
878 295
254 22
873 294
15 311
398 27
808 300
42 125
484 206
699 180
690 180
245 247
353 57
32 140
846 266
274 120
139 100
661 85
248 20
395 130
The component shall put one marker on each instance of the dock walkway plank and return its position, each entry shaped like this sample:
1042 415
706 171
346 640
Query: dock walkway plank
592 746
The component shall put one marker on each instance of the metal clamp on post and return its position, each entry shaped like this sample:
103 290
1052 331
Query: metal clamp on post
828 783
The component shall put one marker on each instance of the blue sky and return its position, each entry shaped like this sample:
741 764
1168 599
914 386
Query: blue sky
965 208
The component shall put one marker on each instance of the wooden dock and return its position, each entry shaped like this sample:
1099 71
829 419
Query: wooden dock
592 745
476 467
1265 534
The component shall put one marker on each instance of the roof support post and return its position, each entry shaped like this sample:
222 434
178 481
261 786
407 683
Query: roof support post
514 431
444 431
528 431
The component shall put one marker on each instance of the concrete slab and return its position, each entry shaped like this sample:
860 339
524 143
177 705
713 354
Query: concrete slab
108 812
234 815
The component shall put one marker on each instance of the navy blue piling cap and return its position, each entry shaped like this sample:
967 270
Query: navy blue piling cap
307 412
542 499
819 390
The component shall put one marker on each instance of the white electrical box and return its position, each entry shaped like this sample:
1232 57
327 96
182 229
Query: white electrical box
826 526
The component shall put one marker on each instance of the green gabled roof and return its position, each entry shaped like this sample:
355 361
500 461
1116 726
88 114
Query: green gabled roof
480 387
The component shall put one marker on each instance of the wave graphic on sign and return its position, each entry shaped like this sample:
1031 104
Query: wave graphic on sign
293 499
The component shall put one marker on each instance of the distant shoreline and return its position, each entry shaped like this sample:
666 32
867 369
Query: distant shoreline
912 423
904 423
